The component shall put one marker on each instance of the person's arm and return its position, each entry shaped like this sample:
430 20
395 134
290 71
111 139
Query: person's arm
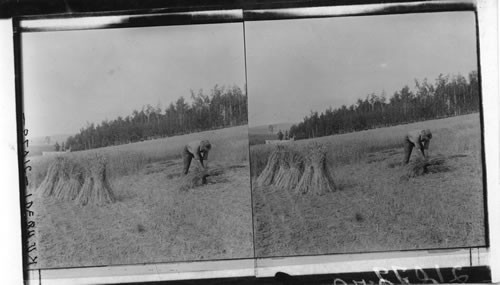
196 154
426 146
422 149
201 157
201 163
422 145
415 139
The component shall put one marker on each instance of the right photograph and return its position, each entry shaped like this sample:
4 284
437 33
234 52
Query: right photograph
365 134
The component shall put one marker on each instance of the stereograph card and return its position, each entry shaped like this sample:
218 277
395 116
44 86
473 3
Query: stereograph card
278 142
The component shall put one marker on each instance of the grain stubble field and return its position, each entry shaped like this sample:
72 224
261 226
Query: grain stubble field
373 208
152 220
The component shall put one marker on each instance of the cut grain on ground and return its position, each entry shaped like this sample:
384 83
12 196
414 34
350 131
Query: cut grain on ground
422 166
199 177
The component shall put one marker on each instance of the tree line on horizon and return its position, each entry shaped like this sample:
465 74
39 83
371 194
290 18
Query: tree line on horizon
222 107
449 96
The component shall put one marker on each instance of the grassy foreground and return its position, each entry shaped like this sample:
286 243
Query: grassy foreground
152 220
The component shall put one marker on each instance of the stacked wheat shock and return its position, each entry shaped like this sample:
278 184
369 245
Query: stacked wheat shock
287 168
82 181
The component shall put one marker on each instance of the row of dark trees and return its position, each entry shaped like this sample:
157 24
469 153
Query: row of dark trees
448 96
222 107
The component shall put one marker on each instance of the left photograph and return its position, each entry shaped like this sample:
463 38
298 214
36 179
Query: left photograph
137 145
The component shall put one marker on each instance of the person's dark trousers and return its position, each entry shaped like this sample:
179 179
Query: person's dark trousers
186 157
408 148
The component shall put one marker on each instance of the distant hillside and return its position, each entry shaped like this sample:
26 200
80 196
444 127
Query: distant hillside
264 129
259 134
37 145
36 150
41 141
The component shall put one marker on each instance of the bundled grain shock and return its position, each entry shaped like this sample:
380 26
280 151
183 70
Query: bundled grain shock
83 180
291 168
51 178
266 177
63 179
70 180
96 189
317 178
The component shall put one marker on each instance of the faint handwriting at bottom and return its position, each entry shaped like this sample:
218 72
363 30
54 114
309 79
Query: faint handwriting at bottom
420 275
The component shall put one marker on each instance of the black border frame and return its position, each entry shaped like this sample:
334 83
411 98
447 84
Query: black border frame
151 18
17 8
182 14
20 145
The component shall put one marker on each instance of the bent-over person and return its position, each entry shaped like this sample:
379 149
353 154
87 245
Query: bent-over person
197 150
419 139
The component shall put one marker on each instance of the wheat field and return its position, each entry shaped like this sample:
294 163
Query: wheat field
152 220
373 208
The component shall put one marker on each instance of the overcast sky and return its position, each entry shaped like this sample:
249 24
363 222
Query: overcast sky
295 66
75 77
